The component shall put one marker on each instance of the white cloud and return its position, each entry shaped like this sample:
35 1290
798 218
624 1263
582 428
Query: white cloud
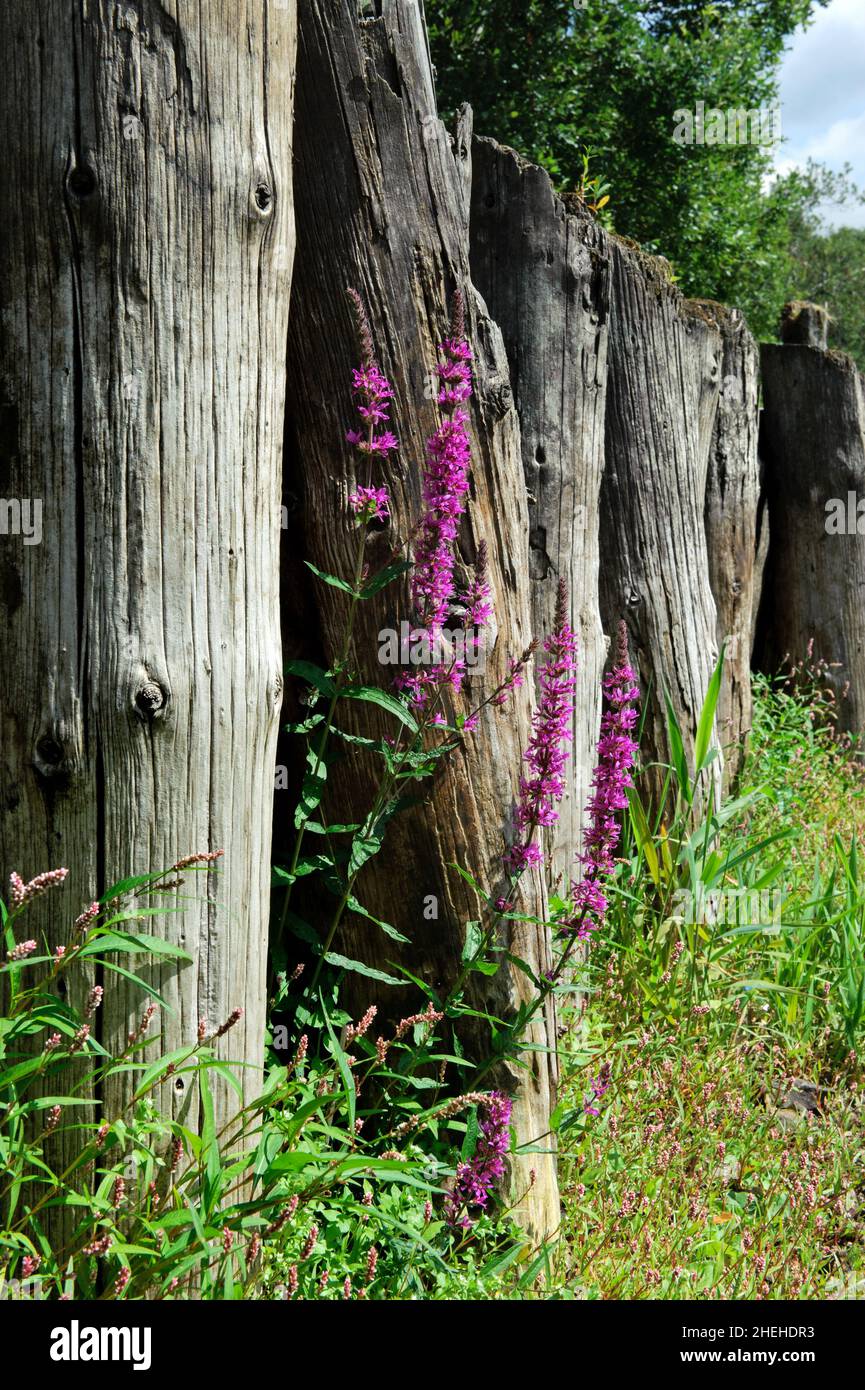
823 98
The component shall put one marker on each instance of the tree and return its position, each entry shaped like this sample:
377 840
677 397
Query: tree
552 79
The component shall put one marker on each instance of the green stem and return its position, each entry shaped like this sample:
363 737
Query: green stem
339 685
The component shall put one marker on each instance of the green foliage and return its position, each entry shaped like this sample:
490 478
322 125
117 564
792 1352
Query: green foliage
726 1000
262 1208
552 80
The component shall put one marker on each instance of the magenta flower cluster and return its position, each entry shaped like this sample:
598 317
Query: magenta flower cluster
370 503
372 392
611 780
445 487
547 754
599 1085
476 1179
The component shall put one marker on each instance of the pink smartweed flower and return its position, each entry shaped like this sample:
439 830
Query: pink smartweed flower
284 1216
547 753
22 950
203 857
356 1030
234 1017
476 1179
611 780
429 1016
21 893
143 1024
445 482
94 999
88 916
100 1246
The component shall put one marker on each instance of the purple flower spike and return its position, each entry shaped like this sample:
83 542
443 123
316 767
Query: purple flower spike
547 753
476 1179
445 483
372 392
611 780
370 503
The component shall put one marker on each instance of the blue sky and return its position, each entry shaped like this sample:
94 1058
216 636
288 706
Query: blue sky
823 97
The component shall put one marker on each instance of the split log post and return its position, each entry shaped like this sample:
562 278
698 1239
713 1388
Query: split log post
144 286
382 198
663 373
542 265
813 440
732 500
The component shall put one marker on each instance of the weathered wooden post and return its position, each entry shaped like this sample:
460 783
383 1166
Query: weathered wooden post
813 440
732 498
663 363
144 285
382 199
542 265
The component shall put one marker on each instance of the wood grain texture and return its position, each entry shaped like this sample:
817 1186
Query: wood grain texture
543 268
664 362
732 500
391 218
144 287
813 440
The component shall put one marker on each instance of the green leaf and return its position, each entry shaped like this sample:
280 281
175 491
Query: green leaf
354 906
128 943
344 963
373 696
330 579
677 750
313 675
707 715
126 885
471 946
385 577
342 1064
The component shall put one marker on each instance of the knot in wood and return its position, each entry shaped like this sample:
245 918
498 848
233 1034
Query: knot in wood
48 757
149 699
82 182
501 398
264 197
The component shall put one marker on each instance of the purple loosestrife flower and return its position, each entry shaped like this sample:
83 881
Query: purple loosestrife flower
372 392
370 503
477 603
476 1179
599 1085
611 780
445 482
547 753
